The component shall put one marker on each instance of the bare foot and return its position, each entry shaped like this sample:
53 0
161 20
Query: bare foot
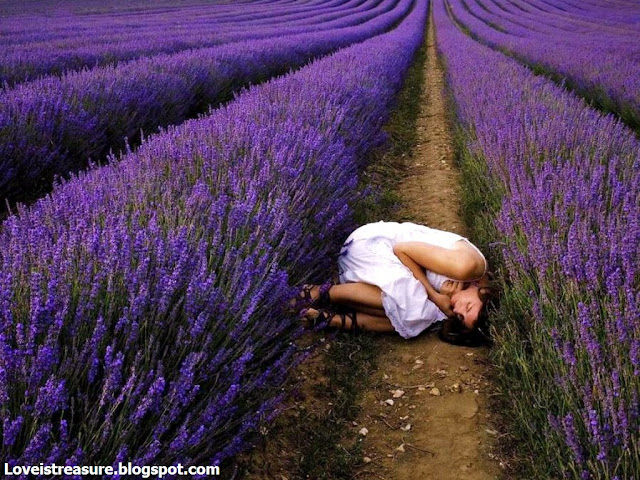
311 317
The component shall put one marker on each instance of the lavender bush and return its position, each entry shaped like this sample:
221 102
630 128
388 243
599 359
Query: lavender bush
54 125
142 302
562 180
592 48
34 45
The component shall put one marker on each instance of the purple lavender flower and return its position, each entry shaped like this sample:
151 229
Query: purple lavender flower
564 175
10 430
53 126
163 276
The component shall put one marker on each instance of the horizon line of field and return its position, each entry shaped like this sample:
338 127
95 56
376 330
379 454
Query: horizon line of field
82 123
615 95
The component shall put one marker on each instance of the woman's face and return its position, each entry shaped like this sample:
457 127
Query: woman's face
466 305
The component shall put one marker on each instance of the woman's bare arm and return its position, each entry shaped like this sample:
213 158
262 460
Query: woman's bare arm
442 301
463 264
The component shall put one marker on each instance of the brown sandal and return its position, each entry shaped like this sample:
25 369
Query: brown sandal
305 300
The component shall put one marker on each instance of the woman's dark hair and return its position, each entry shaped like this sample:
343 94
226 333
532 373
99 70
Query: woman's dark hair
454 331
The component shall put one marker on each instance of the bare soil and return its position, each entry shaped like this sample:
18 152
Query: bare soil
439 428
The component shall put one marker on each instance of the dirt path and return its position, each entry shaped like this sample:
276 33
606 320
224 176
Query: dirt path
439 427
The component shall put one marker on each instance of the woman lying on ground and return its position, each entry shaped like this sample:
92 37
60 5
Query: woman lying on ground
404 277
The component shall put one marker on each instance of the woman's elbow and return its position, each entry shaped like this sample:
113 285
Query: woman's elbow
468 268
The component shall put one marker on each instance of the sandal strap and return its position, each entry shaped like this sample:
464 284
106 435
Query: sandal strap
352 316
325 316
324 299
306 300
354 322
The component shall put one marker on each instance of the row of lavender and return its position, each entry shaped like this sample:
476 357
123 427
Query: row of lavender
589 26
54 125
74 43
597 58
142 302
560 183
606 18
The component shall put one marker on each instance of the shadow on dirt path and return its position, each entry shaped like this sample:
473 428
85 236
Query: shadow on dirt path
426 415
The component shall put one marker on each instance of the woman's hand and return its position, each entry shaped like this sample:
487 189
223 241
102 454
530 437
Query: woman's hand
449 287
443 302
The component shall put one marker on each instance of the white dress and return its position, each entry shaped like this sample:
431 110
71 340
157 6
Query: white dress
367 256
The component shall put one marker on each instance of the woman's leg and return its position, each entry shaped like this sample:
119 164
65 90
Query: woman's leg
364 321
357 294
376 312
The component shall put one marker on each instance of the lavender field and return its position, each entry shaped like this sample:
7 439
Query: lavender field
560 180
170 171
55 125
591 48
143 302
